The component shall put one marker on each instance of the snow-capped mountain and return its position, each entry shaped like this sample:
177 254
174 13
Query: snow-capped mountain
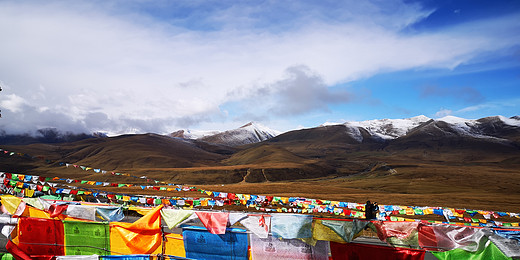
495 127
385 128
249 133
389 129
193 134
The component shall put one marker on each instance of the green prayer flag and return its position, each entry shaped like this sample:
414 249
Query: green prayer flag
51 197
6 256
489 252
86 238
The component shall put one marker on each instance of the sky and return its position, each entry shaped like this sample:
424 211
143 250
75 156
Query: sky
140 66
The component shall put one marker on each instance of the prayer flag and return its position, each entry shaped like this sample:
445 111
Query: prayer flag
40 236
141 237
200 244
215 222
287 249
86 238
289 226
366 251
489 251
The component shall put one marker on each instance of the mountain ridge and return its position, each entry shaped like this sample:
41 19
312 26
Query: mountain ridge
464 163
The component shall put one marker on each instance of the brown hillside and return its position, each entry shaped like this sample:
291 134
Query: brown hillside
432 165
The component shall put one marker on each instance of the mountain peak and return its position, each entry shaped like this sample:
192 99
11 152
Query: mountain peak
388 128
248 124
455 120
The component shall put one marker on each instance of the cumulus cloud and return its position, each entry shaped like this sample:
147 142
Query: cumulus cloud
300 91
125 68
13 103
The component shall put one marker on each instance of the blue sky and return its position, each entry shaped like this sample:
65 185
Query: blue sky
159 66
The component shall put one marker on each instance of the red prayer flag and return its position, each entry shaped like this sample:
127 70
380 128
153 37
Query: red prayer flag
56 210
41 237
350 251
427 238
215 222
17 253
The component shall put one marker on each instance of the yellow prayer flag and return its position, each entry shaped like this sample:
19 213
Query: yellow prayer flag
322 232
428 211
29 193
174 245
10 203
141 211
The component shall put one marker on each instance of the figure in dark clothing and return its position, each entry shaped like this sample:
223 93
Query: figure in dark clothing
375 209
369 210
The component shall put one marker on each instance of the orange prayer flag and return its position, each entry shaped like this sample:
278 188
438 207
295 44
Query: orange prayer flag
141 237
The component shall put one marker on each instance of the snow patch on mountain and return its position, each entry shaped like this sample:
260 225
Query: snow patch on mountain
196 134
474 128
249 133
259 128
385 128
513 121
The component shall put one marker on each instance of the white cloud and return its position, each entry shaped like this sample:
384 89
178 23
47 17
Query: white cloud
145 74
443 112
13 103
492 106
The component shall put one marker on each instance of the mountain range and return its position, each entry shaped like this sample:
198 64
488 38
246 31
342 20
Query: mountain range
435 161
343 148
